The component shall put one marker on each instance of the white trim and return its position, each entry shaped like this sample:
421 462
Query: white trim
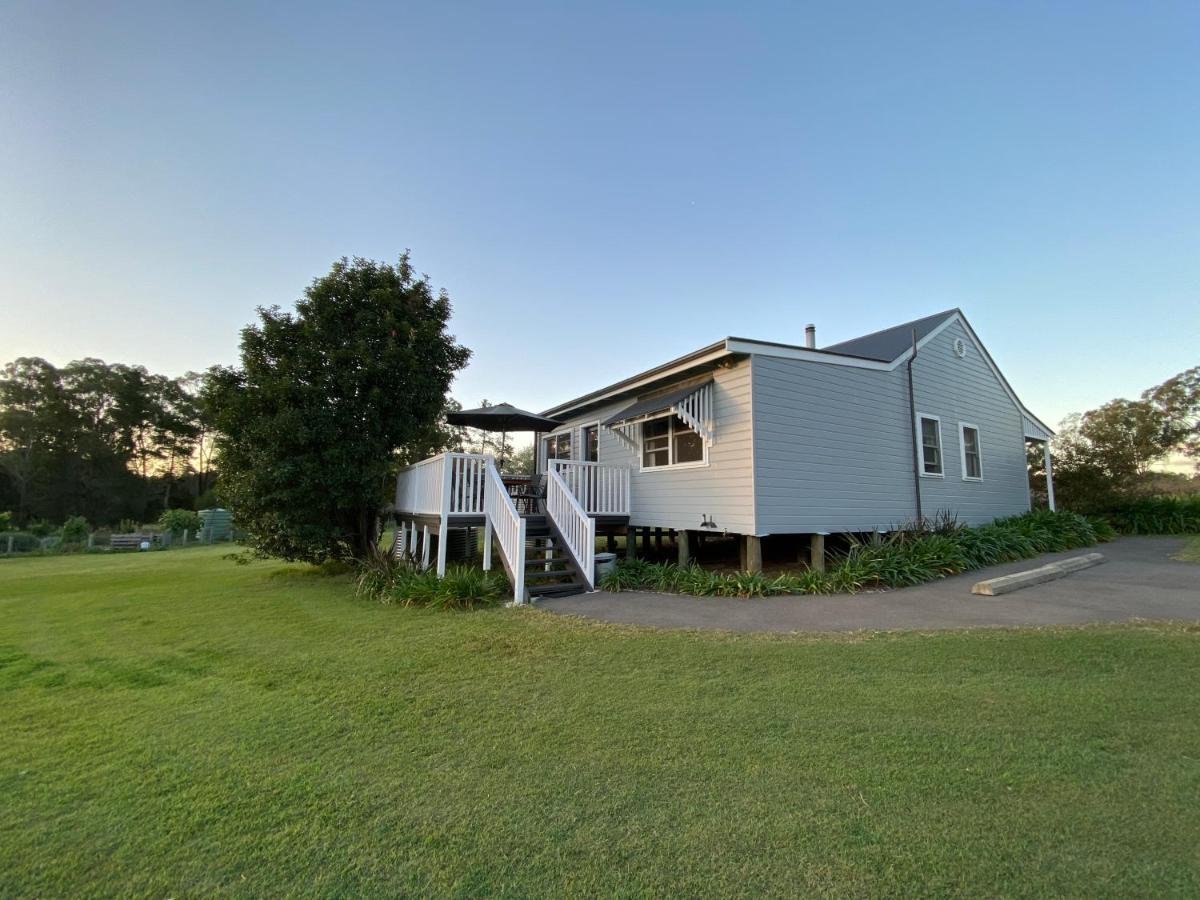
941 445
583 426
568 430
784 351
962 450
670 466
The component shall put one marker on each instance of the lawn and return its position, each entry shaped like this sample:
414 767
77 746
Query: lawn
175 725
1190 552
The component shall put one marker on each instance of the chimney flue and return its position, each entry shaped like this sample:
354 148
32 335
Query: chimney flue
810 337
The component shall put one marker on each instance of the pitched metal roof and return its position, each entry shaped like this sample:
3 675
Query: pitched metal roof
890 343
655 403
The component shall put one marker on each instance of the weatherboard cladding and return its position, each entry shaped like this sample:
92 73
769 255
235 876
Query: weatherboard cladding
966 390
832 447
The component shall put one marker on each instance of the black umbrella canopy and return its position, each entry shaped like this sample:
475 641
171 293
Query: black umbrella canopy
502 417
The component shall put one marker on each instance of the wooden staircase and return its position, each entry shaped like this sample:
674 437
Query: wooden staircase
550 571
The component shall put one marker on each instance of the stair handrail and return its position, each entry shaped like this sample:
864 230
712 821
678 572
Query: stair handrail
502 519
577 528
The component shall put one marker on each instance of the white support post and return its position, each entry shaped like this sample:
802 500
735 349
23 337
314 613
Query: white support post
1049 475
425 547
443 535
411 550
519 567
487 544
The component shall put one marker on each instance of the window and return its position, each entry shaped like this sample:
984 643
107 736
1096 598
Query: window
931 445
686 445
589 441
558 446
972 461
668 441
656 443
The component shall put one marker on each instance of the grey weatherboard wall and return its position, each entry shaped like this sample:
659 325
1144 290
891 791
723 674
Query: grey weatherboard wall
832 447
833 444
966 390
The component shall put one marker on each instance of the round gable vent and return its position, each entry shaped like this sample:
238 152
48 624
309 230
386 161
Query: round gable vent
960 348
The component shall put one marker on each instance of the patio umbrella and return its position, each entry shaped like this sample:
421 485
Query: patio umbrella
503 417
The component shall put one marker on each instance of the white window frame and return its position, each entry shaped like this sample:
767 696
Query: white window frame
594 426
962 450
546 438
676 422
921 443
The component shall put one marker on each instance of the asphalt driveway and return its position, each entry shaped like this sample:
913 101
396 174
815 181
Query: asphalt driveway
1139 581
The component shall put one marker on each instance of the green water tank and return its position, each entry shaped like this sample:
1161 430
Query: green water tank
218 524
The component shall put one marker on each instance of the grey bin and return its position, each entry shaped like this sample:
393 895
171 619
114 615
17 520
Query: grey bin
605 563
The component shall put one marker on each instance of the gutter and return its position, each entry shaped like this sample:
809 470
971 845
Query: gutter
912 419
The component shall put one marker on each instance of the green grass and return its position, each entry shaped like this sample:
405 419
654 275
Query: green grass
1190 552
175 725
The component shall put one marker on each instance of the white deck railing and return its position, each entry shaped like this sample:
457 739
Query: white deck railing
601 490
449 482
503 520
577 528
419 487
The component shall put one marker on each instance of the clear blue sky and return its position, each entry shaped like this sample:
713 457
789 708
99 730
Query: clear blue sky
603 189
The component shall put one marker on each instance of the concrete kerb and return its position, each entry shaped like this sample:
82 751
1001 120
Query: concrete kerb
994 587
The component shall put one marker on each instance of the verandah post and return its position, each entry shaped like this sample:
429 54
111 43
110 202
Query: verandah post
1049 475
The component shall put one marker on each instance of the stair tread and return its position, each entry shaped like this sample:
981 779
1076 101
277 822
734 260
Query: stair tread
557 590
539 561
552 573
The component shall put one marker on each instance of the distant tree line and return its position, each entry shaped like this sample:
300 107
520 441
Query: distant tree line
104 441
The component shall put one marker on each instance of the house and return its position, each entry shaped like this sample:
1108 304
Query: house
751 438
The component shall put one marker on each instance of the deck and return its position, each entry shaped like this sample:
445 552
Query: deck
467 489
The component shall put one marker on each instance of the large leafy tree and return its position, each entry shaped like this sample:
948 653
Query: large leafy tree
1178 399
310 424
1111 450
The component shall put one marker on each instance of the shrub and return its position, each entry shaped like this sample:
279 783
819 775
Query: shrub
176 521
40 528
1156 515
914 554
462 587
5 520
75 530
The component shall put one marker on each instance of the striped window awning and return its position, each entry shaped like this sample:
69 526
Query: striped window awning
692 403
